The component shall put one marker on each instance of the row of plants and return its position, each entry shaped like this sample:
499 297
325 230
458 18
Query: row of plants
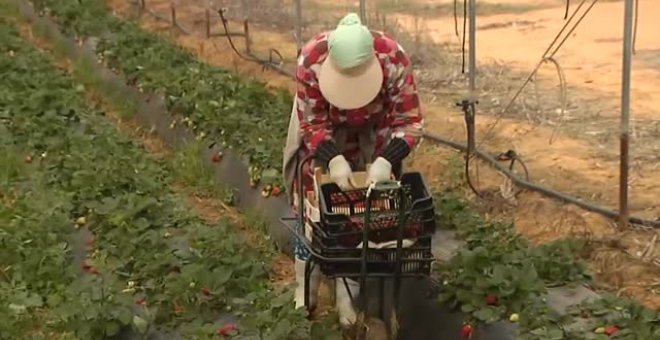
496 275
92 240
240 114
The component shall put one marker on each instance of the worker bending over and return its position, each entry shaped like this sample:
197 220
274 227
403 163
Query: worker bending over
356 104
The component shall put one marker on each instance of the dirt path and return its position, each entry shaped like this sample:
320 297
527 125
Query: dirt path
571 165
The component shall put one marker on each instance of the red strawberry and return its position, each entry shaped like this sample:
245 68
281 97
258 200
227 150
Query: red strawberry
206 291
227 329
611 330
466 332
141 301
217 157
492 300
89 268
276 191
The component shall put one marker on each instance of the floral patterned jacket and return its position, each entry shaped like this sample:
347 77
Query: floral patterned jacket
395 112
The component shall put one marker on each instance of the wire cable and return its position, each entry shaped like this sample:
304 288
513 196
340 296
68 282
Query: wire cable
544 58
221 13
268 63
563 96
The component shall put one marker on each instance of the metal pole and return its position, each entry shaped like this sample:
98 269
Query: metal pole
299 23
473 49
469 104
625 113
363 11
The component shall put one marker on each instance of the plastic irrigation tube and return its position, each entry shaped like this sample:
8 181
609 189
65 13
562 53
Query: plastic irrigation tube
421 316
539 188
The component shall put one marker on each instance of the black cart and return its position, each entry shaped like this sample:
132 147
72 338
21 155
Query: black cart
340 238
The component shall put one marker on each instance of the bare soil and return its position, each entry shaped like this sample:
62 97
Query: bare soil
574 152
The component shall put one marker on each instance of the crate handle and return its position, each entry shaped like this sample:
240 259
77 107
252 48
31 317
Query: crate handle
385 185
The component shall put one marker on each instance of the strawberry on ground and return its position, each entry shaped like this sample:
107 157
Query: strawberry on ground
217 157
466 332
611 330
276 191
227 329
89 268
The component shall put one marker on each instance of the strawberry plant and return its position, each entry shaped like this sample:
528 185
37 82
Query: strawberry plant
614 317
92 240
497 274
242 114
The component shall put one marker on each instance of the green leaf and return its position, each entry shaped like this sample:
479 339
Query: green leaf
54 299
140 324
467 308
499 274
33 301
555 334
487 315
112 328
17 309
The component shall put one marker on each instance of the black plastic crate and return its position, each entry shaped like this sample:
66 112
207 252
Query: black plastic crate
343 213
416 260
351 240
414 228
342 221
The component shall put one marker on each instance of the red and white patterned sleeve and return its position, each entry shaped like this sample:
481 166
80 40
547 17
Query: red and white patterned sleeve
405 116
313 109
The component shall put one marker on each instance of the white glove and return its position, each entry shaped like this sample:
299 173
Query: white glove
380 170
341 173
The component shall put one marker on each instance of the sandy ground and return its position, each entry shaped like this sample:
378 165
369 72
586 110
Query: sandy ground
581 163
591 56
